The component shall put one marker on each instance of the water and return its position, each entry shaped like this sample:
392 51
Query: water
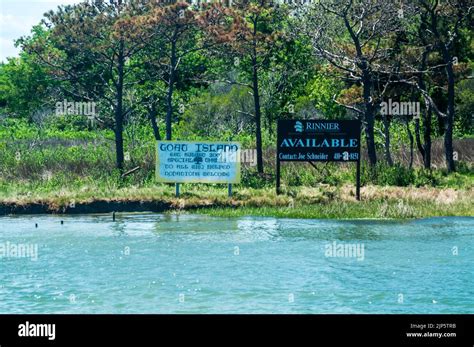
151 263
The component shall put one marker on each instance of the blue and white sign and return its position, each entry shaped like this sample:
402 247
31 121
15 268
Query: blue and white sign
198 162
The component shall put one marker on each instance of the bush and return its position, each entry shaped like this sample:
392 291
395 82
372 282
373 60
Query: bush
396 175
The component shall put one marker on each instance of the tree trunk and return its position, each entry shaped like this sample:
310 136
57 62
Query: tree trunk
410 137
448 133
449 122
152 115
169 97
119 111
419 144
369 119
258 119
427 138
256 99
364 66
425 149
386 130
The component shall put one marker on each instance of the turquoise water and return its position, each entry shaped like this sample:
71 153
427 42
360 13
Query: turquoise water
152 263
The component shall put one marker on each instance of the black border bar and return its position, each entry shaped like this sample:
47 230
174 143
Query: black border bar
337 330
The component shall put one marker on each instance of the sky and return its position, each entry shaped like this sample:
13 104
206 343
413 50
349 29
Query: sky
17 17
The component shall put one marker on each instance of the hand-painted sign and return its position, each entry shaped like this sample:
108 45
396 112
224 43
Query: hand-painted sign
318 140
198 162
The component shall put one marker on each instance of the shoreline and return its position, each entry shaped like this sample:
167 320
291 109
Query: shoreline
97 206
377 203
130 207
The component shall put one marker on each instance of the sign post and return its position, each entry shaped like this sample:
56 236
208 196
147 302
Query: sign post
358 181
318 141
278 172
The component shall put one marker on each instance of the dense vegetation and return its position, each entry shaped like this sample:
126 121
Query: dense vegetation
211 71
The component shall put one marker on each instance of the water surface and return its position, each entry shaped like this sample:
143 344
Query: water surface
153 263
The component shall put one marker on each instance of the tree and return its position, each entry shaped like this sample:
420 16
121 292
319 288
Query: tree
178 35
289 86
414 63
425 147
248 45
88 48
353 37
442 21
438 35
25 86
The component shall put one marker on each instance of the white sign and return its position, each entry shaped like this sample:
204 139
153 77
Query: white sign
198 162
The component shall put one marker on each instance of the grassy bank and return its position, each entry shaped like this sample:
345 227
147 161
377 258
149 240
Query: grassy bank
298 202
377 202
66 168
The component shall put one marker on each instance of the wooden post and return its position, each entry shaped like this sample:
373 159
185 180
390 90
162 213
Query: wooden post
229 190
177 189
358 169
278 175
278 161
358 180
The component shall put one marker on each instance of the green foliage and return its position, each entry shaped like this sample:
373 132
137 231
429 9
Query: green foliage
463 125
396 175
25 86
251 179
66 151
318 97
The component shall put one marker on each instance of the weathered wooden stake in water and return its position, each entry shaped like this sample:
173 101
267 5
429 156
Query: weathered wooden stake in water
177 189
229 190
113 216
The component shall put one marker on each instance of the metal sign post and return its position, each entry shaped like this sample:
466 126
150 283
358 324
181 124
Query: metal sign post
278 164
278 176
358 180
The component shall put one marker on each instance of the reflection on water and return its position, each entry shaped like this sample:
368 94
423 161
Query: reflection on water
180 263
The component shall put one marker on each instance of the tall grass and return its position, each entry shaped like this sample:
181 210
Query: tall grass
66 155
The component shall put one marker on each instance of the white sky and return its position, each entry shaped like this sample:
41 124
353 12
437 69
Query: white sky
17 18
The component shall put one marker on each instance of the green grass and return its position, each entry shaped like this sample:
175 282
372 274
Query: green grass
297 202
389 209
56 175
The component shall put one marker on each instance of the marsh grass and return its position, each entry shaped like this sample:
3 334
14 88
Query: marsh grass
52 171
299 202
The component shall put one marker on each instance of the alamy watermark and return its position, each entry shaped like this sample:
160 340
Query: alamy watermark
400 108
28 329
246 156
19 250
80 108
345 250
